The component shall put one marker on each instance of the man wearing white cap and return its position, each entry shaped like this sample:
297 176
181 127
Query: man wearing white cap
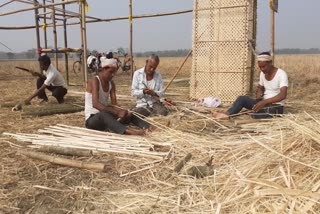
270 94
99 114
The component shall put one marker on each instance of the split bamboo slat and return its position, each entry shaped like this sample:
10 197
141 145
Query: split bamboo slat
81 138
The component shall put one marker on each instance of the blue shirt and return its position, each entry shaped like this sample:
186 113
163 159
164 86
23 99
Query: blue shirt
139 82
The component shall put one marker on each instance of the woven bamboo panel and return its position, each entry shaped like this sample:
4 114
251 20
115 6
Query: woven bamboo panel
222 60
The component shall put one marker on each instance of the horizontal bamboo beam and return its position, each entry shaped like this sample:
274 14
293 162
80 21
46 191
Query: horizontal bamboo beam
39 6
26 2
61 50
102 20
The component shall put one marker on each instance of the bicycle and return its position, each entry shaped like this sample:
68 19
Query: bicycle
126 64
77 65
92 67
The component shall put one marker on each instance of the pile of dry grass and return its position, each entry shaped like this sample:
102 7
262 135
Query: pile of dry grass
260 166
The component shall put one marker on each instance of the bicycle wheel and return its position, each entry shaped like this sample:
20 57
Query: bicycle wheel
77 67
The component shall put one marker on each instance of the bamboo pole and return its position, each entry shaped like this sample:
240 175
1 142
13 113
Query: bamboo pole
66 151
38 6
104 20
272 33
55 39
36 12
84 42
131 32
175 74
26 2
64 161
4 4
66 61
45 28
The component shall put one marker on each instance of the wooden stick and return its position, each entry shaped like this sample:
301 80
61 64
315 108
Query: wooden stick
34 73
136 171
65 151
182 162
211 119
64 161
175 74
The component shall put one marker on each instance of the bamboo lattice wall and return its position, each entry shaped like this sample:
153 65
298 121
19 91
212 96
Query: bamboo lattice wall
222 62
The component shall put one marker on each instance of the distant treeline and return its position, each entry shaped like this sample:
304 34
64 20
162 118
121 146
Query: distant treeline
298 51
166 53
32 53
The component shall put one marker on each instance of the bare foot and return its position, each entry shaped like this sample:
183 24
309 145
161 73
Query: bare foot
220 115
152 128
131 131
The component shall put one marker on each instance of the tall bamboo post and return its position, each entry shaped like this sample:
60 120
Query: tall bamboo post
45 28
131 31
84 41
66 61
272 32
55 33
36 14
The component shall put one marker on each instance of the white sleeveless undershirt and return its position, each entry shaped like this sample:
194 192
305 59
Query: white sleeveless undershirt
103 98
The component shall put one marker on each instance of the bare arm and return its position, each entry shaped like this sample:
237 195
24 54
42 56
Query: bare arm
279 97
113 96
28 100
259 92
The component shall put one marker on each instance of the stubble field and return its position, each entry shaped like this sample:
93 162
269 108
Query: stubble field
245 171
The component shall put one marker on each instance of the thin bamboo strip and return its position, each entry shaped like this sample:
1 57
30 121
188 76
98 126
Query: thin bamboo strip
59 141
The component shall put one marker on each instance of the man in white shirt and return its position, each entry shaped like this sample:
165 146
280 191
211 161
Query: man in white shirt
270 94
147 87
50 79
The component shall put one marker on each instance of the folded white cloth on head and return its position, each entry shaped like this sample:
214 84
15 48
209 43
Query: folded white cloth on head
264 58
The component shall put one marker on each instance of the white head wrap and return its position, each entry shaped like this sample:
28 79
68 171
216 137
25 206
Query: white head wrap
108 62
264 58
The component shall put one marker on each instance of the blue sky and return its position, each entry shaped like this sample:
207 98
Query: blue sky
297 26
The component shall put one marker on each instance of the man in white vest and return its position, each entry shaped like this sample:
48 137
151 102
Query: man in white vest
271 92
102 114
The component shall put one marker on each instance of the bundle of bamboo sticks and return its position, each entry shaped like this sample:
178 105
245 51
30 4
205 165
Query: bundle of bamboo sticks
97 141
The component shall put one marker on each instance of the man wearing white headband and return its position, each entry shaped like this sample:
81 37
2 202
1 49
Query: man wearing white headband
270 93
99 114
